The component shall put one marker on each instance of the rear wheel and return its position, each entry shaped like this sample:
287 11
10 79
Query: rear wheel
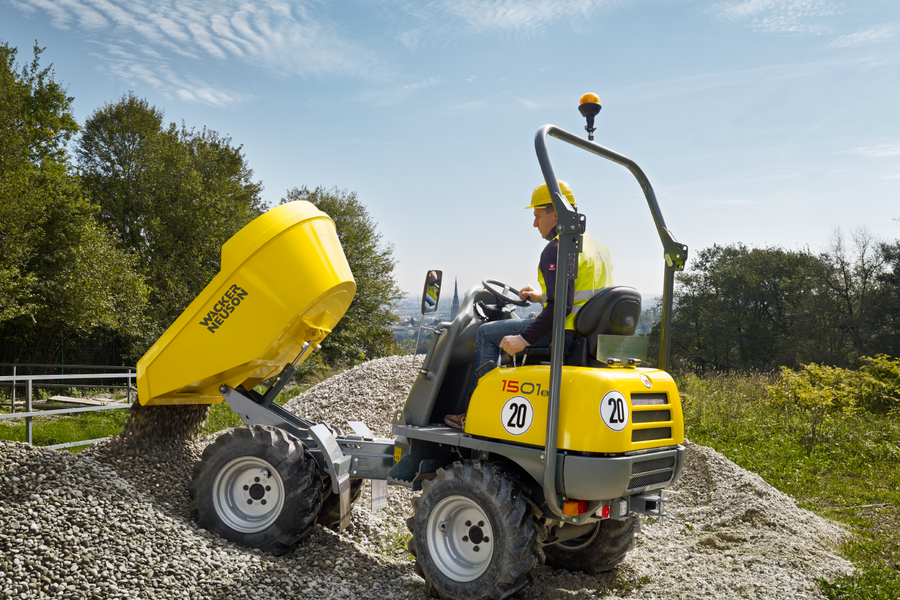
474 535
598 551
256 486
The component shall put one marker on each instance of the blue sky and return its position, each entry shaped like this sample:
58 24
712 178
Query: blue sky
764 122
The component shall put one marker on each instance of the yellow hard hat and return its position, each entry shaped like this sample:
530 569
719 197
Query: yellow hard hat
541 196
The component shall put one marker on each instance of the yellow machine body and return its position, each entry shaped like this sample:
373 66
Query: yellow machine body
284 282
602 410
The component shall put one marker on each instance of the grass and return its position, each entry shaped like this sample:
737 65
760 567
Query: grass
63 429
48 431
59 429
846 467
397 543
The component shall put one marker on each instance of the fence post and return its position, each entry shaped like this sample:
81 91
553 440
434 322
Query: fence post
28 419
13 409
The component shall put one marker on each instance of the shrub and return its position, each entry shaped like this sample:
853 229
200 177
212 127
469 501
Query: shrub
820 389
884 392
822 395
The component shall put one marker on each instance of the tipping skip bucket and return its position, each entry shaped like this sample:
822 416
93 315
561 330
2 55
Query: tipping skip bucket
284 282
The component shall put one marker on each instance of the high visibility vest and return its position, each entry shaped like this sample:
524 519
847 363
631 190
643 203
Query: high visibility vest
594 273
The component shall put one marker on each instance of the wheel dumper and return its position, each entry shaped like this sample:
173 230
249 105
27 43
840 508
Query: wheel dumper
560 453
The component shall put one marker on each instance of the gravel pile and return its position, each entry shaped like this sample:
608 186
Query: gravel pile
112 523
371 392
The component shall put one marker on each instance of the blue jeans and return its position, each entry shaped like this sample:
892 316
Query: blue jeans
488 338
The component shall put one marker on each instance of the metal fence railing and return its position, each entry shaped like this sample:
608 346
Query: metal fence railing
123 380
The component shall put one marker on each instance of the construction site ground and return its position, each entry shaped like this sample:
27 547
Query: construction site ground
112 522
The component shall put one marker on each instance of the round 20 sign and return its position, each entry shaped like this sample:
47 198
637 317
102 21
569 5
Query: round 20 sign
614 410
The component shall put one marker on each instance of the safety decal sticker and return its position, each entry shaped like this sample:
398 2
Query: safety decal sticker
614 410
517 415
646 381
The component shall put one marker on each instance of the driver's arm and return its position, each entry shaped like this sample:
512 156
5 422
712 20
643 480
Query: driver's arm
543 324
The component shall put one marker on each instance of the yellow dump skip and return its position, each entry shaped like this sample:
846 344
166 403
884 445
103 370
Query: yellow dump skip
284 281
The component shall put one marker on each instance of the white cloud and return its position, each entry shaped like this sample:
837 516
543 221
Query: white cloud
421 85
870 36
206 95
388 95
531 105
61 15
780 16
753 76
448 20
523 17
140 68
268 34
879 151
479 103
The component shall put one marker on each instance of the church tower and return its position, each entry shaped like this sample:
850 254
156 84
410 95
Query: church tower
454 308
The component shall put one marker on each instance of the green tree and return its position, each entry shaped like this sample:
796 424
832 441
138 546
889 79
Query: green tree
116 154
18 205
886 314
738 308
365 332
172 196
741 308
849 276
60 273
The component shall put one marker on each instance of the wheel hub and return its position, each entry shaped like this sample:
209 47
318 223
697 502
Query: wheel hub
476 535
257 491
248 494
459 538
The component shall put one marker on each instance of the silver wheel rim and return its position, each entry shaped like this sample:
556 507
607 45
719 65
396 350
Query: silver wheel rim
460 538
248 494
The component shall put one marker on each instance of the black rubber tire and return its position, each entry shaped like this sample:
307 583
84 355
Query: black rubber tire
514 550
596 552
330 513
217 496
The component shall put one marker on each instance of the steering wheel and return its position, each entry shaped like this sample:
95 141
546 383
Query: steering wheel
503 292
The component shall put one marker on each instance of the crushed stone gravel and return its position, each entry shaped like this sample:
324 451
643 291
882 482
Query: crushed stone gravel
109 523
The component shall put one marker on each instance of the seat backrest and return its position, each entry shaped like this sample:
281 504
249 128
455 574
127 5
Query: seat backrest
613 310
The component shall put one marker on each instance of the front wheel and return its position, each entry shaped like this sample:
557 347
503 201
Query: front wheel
596 552
256 486
474 535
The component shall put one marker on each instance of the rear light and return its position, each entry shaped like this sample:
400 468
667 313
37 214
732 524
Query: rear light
575 507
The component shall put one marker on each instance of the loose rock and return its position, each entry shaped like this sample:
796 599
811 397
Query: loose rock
148 426
112 522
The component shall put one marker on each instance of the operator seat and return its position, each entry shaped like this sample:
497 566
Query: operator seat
613 310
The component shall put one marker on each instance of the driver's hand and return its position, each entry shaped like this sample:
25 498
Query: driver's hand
527 294
512 344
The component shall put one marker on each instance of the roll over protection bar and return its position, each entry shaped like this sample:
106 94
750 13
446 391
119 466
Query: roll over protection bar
570 227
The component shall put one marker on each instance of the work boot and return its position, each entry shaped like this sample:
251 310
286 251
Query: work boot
456 421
